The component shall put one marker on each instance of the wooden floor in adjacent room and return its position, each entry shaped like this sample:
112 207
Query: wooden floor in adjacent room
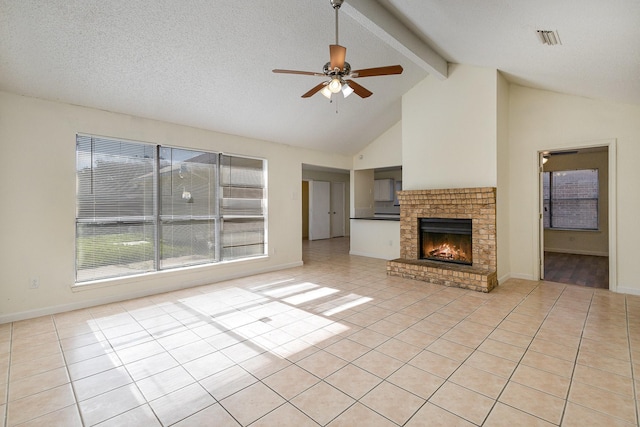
584 270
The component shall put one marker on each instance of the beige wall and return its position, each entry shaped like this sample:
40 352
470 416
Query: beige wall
376 239
362 193
502 190
449 130
37 188
455 135
384 151
493 131
586 242
541 120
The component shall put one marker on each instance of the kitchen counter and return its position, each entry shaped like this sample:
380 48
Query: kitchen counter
381 218
376 236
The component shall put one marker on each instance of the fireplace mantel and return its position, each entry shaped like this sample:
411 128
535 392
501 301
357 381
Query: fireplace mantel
477 204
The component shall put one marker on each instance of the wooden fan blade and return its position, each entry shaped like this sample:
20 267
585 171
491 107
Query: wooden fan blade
306 73
314 90
377 71
362 92
338 54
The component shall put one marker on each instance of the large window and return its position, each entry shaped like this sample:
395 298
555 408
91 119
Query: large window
143 207
571 199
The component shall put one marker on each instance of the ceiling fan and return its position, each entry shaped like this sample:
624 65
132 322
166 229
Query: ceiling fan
339 72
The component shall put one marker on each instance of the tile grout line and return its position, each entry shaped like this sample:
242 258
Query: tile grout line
66 368
524 353
575 361
524 297
71 381
135 382
323 380
633 373
5 422
565 299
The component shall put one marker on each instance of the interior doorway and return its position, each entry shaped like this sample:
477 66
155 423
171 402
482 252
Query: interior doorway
315 180
574 205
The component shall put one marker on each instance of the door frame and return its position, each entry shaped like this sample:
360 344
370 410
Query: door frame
612 207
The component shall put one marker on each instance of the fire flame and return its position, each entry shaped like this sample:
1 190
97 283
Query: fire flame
447 251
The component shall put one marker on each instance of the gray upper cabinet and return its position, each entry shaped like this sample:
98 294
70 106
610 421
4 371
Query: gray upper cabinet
383 190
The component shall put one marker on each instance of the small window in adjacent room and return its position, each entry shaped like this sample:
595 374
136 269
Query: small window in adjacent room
571 199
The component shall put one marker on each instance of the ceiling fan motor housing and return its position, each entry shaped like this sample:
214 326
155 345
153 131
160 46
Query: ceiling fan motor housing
337 72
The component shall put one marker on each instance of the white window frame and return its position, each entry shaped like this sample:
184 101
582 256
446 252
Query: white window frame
256 218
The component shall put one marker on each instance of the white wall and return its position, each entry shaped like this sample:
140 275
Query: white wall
375 238
37 189
541 120
449 131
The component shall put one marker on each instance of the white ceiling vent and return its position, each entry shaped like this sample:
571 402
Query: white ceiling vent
549 37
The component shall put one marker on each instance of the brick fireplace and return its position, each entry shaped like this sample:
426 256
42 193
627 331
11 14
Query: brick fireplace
476 204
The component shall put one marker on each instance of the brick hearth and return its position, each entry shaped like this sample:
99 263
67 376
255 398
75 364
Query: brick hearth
477 204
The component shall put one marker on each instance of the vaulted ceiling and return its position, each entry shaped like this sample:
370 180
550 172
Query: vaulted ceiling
208 63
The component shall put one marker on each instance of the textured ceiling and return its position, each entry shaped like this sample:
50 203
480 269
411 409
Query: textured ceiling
599 54
208 63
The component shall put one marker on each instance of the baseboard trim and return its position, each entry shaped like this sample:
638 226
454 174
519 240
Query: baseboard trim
46 311
504 278
630 291
521 276
370 255
576 252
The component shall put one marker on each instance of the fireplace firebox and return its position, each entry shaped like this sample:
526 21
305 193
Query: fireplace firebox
446 240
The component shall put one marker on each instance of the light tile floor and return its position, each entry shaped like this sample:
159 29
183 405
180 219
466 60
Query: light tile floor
335 342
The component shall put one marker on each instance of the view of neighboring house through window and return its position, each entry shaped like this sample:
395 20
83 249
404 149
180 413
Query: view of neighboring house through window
242 182
571 199
143 207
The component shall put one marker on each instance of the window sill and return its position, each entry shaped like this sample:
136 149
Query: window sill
579 230
146 277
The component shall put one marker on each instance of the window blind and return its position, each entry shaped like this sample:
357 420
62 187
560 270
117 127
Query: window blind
188 208
243 207
115 219
570 199
143 207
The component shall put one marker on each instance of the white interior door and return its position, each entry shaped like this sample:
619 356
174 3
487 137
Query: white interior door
337 209
319 210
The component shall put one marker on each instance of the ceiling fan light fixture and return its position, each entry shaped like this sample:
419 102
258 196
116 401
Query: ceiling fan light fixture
334 85
326 92
346 89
